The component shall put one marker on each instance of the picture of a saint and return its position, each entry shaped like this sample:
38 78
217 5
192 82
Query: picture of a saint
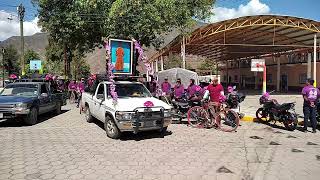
119 60
121 56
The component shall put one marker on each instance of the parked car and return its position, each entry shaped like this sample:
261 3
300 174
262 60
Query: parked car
27 100
135 110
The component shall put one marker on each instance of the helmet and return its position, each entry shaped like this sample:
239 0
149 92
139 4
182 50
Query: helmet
230 89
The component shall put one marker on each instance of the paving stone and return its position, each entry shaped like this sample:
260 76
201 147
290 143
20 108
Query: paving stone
66 147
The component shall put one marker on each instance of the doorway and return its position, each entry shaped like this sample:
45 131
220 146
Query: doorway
284 83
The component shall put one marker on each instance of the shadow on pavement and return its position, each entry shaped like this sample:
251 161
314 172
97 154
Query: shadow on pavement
127 136
20 123
272 125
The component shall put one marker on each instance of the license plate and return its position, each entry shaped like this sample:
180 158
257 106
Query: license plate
1 115
149 123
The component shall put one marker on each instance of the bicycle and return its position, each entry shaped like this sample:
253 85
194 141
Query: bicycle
210 115
201 116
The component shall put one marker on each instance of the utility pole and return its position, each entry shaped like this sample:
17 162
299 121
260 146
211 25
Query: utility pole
2 56
21 11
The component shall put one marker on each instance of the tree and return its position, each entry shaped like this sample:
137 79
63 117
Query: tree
80 24
173 61
208 65
80 69
11 60
28 56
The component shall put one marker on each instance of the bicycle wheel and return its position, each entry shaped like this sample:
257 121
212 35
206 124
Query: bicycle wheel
197 117
227 121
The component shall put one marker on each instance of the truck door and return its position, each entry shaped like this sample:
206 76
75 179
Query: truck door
98 101
44 99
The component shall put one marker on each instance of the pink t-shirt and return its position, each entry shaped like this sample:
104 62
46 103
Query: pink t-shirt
80 87
178 91
215 92
72 86
166 87
192 89
311 93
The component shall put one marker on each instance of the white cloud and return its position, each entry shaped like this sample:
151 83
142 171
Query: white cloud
11 27
254 7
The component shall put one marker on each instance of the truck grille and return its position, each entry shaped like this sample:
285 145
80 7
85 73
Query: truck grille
6 107
145 116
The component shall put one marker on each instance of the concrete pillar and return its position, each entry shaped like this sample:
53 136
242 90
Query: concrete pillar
161 62
239 75
157 66
315 60
278 72
256 79
183 52
148 78
309 66
227 73
152 66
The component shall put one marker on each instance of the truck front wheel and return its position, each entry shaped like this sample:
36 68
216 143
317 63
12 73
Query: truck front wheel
32 117
58 108
88 115
111 128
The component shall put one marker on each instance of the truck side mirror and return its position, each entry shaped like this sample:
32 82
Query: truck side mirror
100 96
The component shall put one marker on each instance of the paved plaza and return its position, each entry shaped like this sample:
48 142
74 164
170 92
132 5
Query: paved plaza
67 147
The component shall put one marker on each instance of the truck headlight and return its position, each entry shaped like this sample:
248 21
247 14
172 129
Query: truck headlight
167 113
21 106
124 116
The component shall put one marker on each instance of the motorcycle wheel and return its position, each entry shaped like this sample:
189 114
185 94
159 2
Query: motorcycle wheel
290 122
262 115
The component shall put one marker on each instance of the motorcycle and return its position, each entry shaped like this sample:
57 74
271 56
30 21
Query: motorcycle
233 101
181 107
271 110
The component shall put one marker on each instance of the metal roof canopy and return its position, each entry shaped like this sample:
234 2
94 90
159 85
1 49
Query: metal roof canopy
247 37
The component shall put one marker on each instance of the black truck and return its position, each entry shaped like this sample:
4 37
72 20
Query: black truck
27 100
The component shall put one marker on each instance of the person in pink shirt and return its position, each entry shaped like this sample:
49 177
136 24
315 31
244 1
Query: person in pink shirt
178 89
80 90
192 88
166 86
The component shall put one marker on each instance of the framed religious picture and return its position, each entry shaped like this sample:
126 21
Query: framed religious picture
121 56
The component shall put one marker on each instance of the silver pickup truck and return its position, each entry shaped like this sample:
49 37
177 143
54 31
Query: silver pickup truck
136 110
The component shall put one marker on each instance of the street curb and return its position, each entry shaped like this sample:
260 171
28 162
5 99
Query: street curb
248 118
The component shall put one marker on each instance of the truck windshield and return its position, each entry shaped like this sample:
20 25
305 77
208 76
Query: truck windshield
28 90
132 90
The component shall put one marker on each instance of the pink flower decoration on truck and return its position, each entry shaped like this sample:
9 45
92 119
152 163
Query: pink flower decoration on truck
148 104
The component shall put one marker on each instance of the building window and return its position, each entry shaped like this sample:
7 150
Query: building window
269 78
302 78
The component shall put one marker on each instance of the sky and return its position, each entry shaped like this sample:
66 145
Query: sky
222 9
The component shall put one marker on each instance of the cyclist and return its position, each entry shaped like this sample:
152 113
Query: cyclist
72 88
80 90
216 91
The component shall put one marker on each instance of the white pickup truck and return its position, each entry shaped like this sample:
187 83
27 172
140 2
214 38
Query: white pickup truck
136 110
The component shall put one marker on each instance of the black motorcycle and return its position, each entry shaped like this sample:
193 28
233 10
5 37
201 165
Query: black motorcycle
181 107
273 111
233 102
